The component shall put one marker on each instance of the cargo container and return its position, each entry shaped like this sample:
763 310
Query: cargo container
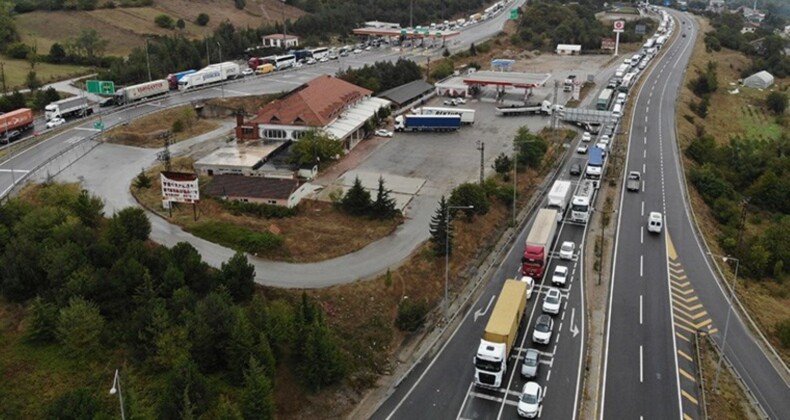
427 122
141 91
539 242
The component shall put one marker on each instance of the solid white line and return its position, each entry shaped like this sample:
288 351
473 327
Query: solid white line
642 235
641 265
466 397
641 365
640 309
548 376
644 154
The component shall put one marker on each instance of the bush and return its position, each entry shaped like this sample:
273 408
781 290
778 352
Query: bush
710 183
702 149
783 332
264 211
202 19
240 4
237 237
164 21
178 126
411 315
776 102
17 50
442 70
468 194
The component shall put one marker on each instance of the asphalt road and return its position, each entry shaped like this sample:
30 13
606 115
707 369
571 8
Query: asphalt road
658 280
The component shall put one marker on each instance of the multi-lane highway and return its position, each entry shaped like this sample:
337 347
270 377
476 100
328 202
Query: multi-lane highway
663 290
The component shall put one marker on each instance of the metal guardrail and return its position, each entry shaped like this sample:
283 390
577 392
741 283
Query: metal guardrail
700 376
755 404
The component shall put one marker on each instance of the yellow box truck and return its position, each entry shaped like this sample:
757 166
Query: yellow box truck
264 68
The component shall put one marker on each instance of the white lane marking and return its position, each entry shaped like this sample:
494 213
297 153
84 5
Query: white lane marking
644 154
641 365
15 171
642 235
643 169
640 309
643 208
641 265
548 376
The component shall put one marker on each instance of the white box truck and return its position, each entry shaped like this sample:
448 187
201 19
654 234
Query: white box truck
229 69
558 196
63 108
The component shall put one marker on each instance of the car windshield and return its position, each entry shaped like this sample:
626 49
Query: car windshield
542 325
529 398
552 298
566 247
531 359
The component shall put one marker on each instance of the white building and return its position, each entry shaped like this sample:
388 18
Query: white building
760 80
280 41
569 49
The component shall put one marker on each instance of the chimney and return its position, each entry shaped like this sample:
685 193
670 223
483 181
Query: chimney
239 118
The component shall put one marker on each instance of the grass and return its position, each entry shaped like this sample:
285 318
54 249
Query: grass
145 131
729 402
734 115
16 72
236 237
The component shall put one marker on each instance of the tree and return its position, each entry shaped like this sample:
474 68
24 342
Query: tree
472 49
322 363
41 322
241 345
164 21
356 202
210 329
202 19
468 194
134 223
531 148
79 328
502 164
186 392
89 209
142 181
180 24
439 231
57 54
315 147
411 315
88 44
240 4
8 31
384 206
74 404
776 102
227 409
257 399
32 56
238 275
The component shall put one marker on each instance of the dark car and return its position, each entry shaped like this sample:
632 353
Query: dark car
10 136
576 169
107 102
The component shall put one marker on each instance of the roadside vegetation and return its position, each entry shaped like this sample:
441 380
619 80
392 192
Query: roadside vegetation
177 124
735 144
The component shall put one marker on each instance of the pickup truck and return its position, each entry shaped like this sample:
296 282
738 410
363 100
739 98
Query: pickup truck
634 181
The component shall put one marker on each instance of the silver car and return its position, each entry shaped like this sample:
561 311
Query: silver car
529 368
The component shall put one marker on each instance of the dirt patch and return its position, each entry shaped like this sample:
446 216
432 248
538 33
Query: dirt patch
249 104
147 131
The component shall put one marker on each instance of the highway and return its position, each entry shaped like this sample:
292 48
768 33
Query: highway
663 288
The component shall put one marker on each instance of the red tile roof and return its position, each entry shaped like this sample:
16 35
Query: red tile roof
314 104
235 186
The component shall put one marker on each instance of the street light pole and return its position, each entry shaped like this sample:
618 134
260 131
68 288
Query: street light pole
447 252
116 387
515 177
222 83
729 312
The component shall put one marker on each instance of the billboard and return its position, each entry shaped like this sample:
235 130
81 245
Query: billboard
179 187
607 43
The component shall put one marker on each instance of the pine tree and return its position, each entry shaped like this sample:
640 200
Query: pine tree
439 230
41 321
384 206
257 401
356 202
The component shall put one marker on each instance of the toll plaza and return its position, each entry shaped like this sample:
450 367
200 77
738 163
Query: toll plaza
408 33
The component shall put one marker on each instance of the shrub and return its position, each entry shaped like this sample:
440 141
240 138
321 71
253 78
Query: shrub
178 126
710 183
468 194
240 4
17 50
260 210
783 332
411 315
164 21
202 19
237 237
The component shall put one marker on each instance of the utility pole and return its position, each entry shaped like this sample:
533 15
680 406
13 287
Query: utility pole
481 146
208 57
2 75
222 84
147 60
553 105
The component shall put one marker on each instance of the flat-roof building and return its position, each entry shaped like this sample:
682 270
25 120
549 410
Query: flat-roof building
407 93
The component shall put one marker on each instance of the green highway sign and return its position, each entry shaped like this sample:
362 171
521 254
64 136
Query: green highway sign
513 14
100 87
98 125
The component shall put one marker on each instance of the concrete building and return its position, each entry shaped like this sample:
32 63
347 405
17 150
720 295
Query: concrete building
325 103
280 192
760 80
280 41
238 159
411 92
569 49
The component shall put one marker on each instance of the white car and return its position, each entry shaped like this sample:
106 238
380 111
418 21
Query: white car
310 61
655 222
530 285
604 139
383 133
560 276
357 51
586 137
55 122
323 59
543 328
552 301
582 149
529 368
247 72
567 250
460 101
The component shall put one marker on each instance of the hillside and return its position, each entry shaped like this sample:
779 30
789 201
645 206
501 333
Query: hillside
126 28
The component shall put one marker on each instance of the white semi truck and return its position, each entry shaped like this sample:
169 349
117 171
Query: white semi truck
63 108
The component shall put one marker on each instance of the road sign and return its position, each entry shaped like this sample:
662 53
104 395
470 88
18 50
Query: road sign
98 125
403 32
100 87
513 14
619 25
640 29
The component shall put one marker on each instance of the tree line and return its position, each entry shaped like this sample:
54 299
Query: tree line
191 340
383 75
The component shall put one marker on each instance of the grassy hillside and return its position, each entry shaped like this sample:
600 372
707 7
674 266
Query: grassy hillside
126 28
16 72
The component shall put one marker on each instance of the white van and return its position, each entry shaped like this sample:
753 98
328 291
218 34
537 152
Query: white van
654 222
617 111
620 98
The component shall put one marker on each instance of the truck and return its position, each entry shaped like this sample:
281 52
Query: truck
228 69
539 242
14 123
499 335
544 107
173 78
634 181
567 86
141 91
604 100
63 108
467 115
203 77
300 55
558 196
264 68
595 164
427 122
582 201
254 62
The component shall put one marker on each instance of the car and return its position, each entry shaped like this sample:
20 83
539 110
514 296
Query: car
55 122
552 301
10 136
107 102
460 101
383 133
357 51
530 285
333 57
586 137
323 60
684 34
602 146
604 139
310 61
543 328
247 72
634 181
530 400
451 102
654 222
368 48
560 275
344 54
529 368
566 250
576 169
582 149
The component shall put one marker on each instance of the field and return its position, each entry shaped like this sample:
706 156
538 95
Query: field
732 115
126 28
16 72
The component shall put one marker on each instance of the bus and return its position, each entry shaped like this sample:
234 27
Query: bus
282 62
604 100
319 53
583 201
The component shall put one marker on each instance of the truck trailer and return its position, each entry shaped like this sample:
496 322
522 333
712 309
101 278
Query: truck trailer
595 164
427 122
63 108
500 334
18 120
543 107
558 196
467 115
539 242
173 78
141 91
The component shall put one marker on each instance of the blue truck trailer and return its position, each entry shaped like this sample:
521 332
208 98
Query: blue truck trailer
427 122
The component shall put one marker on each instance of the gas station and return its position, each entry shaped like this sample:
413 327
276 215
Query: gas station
503 79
